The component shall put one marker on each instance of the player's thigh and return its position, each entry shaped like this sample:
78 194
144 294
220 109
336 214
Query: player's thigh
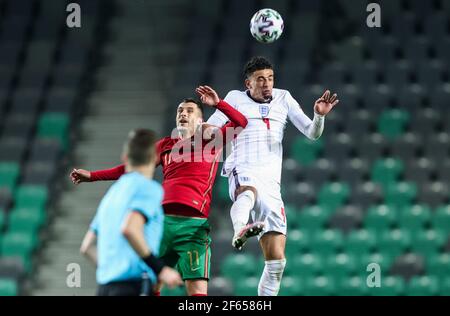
273 245
193 247
196 286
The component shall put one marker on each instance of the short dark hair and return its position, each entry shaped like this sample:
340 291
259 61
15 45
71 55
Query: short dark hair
140 147
256 63
192 100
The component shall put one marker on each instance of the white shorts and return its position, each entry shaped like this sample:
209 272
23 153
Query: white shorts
269 207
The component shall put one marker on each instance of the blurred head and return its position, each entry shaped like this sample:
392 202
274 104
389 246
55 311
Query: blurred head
139 149
189 116
259 78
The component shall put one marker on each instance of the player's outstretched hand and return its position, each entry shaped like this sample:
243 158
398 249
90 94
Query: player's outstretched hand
207 95
80 175
325 103
170 277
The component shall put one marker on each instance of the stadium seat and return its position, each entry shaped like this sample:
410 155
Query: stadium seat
305 151
440 218
380 218
341 265
320 286
445 286
326 242
297 241
353 171
428 242
360 242
346 218
408 266
334 194
9 173
20 245
414 218
366 194
438 264
304 264
420 170
5 198
291 286
384 260
2 221
422 286
390 286
312 218
236 266
54 126
386 171
394 242
12 149
401 194
353 286
392 123
246 286
31 196
26 219
8 287
434 193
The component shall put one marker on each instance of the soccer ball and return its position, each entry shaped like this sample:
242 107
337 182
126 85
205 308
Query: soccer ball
266 26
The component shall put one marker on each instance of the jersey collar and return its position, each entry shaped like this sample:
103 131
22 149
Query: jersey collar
250 96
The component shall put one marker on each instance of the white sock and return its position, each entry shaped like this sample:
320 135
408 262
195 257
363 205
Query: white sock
269 284
240 211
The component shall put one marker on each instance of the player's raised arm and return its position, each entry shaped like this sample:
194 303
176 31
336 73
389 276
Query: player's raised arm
80 175
311 128
209 97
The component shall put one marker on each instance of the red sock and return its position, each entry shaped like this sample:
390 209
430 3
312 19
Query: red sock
199 294
157 293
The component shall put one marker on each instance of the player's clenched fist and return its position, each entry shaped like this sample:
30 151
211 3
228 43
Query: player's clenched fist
80 175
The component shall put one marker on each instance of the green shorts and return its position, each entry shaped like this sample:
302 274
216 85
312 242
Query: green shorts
186 246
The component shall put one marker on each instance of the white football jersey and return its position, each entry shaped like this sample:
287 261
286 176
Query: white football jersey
259 147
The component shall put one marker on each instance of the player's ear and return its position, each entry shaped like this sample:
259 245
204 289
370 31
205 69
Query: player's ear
247 83
124 158
199 120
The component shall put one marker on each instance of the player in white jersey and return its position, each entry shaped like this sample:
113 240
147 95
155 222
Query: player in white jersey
254 166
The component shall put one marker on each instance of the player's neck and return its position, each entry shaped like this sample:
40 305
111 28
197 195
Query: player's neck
147 170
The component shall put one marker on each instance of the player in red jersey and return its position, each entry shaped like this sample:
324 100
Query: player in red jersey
189 164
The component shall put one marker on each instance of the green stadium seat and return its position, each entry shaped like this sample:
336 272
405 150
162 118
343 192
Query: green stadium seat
306 151
441 218
55 126
422 286
246 286
303 265
445 286
414 218
384 260
394 242
341 266
428 242
360 242
312 218
439 265
392 123
8 287
26 219
320 286
353 286
380 217
326 242
291 216
291 286
297 242
9 173
386 171
390 286
18 243
237 266
32 196
333 195
401 194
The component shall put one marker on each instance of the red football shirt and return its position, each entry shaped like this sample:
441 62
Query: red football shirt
189 169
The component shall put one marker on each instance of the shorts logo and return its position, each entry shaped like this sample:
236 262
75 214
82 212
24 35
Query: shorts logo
244 179
195 202
264 110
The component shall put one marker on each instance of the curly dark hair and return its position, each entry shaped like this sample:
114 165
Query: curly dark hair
256 63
